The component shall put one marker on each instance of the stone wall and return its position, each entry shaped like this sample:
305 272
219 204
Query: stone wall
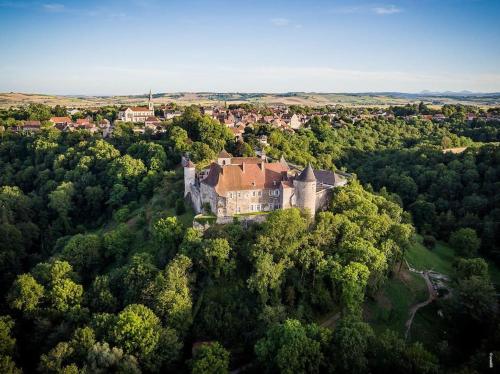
244 200
244 220
323 198
288 198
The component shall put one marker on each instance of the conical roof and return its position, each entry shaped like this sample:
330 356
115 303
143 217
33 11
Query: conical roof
283 161
307 175
224 154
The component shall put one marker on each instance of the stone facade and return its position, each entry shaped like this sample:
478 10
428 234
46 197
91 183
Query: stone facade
235 186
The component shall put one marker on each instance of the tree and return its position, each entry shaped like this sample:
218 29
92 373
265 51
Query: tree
63 294
103 359
465 242
352 280
469 267
60 201
390 354
350 344
168 233
84 253
116 242
267 277
25 294
7 342
210 358
101 298
137 330
126 169
137 276
292 348
216 257
474 299
171 296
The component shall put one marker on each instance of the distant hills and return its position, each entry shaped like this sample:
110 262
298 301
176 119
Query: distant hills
287 98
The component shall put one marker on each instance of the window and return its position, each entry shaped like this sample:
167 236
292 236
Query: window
238 209
230 195
260 193
239 194
276 192
270 193
253 193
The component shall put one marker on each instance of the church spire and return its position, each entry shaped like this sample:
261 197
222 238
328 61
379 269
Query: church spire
150 101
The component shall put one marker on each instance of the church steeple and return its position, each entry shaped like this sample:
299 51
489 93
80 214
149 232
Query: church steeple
150 101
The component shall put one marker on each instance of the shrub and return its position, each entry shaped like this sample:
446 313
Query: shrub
429 241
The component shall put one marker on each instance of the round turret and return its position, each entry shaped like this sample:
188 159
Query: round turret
305 190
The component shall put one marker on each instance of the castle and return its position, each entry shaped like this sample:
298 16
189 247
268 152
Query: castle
235 186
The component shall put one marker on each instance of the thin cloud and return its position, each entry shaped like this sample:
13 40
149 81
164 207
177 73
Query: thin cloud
54 7
280 22
385 10
379 10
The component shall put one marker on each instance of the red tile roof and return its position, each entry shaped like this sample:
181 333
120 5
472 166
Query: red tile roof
32 123
245 176
60 120
139 109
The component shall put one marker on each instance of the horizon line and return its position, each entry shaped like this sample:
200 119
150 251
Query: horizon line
423 92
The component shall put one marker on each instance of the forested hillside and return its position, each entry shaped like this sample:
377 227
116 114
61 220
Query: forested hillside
101 270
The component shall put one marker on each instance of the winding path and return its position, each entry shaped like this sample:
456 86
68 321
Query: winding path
416 307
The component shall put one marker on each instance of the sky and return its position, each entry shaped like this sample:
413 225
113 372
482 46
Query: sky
130 46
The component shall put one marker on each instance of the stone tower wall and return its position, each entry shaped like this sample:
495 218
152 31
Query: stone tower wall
305 193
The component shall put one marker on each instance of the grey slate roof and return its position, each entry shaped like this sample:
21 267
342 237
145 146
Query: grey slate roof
307 175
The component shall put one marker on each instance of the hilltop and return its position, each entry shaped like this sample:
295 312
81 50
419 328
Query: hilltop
289 98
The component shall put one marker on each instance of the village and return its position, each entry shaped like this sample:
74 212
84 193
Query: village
236 117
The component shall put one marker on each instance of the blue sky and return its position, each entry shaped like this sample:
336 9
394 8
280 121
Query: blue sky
129 46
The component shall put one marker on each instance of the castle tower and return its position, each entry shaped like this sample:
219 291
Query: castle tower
305 190
189 176
224 158
150 102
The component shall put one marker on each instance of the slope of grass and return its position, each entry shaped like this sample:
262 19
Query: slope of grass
439 259
390 307
428 327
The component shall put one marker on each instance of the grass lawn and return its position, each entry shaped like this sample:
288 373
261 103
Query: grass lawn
439 259
428 327
390 307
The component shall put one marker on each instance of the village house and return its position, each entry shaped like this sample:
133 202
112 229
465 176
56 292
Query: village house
252 185
60 121
292 120
31 126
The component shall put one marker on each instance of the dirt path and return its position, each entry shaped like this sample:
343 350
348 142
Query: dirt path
330 321
416 307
